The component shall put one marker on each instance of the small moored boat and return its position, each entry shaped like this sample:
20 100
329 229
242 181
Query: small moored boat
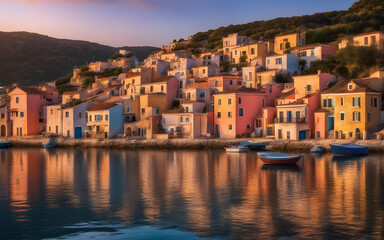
254 146
236 149
5 144
349 149
279 158
50 144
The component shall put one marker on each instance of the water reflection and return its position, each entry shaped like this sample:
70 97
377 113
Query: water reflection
210 193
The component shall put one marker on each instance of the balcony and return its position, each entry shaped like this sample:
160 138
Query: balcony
290 120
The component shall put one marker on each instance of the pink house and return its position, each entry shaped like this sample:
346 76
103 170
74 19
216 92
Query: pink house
27 109
273 91
222 83
235 110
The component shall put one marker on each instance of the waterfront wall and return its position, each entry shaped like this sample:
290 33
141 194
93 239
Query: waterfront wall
284 145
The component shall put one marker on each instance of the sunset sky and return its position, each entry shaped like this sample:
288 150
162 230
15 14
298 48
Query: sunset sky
145 22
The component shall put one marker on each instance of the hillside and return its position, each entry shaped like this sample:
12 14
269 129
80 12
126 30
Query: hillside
363 16
31 59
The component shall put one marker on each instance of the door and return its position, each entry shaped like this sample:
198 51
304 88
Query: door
217 130
3 131
281 117
302 135
331 122
78 132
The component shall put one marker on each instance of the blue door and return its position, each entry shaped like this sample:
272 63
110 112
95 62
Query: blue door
302 135
78 132
331 122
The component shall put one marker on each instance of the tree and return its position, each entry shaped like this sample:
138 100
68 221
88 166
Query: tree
283 78
116 56
84 69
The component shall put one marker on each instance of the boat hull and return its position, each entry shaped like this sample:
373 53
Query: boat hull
348 149
236 150
5 144
257 146
281 159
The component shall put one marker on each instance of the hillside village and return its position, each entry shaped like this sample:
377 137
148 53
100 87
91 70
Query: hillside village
245 89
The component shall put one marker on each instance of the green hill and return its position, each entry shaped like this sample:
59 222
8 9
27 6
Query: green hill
30 58
363 16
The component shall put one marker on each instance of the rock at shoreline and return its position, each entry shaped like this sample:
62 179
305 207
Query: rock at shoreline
318 149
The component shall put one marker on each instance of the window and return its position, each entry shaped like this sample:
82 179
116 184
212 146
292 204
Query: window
229 101
303 54
281 46
162 88
309 87
49 129
235 52
373 40
203 71
288 135
230 82
133 81
143 111
218 114
202 94
356 102
97 118
312 52
181 119
21 114
230 114
342 101
230 127
128 109
157 110
268 61
278 61
90 118
366 41
2 115
186 109
356 116
151 88
219 102
317 134
252 51
66 114
374 102
79 114
280 134
342 116
369 116
187 119
350 86
51 111
106 117
239 100
241 112
68 133
248 126
263 103
216 83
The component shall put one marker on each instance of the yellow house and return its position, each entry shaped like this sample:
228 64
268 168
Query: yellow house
250 51
364 40
355 105
287 41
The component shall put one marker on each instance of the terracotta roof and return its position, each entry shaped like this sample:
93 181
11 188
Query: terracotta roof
240 90
32 90
159 80
102 106
177 110
288 94
322 110
342 86
202 85
132 74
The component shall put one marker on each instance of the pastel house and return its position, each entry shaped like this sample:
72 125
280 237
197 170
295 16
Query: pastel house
105 120
308 84
205 71
5 122
285 42
314 52
235 110
27 109
222 83
285 62
364 40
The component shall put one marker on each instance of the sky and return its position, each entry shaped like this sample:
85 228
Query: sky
146 22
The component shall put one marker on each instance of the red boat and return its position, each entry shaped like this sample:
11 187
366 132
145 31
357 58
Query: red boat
279 158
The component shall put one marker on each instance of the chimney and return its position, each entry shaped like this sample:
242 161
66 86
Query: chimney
319 72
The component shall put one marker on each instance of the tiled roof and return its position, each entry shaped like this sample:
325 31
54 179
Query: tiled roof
288 94
342 86
160 80
102 106
322 110
240 90
32 90
202 85
132 74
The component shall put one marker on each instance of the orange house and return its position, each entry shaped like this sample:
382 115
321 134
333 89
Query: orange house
27 109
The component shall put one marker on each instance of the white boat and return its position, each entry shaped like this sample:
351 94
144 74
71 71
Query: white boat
236 149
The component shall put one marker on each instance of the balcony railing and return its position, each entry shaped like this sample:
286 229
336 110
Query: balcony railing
290 120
